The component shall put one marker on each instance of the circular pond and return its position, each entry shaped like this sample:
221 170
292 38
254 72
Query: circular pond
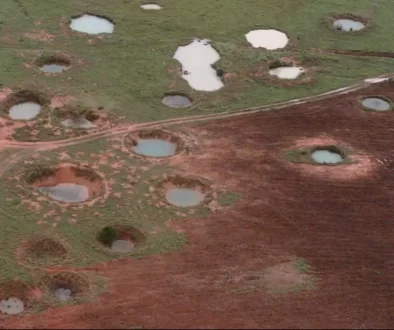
184 197
348 25
91 24
24 111
155 148
67 183
150 6
376 103
176 101
53 68
326 157
121 238
11 306
268 39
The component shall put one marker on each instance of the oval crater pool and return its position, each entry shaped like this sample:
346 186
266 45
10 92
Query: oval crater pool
325 156
376 103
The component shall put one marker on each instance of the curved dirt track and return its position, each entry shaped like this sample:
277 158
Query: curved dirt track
122 129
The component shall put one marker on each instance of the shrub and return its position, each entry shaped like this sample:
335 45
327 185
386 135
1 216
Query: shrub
107 235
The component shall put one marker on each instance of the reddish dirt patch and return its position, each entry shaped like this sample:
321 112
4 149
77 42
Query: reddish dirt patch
281 278
343 228
61 100
40 35
68 173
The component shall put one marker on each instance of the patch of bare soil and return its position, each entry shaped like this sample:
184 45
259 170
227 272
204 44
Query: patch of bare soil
59 101
40 35
341 225
281 278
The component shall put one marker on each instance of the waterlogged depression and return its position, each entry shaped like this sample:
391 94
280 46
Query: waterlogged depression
176 101
53 68
66 192
150 6
155 148
197 59
287 72
348 25
24 111
12 306
184 197
376 103
122 246
268 39
80 122
326 157
92 25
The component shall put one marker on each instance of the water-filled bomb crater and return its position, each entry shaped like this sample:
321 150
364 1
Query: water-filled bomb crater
121 238
175 100
53 64
24 105
285 70
65 286
185 192
92 24
66 183
14 297
154 143
376 103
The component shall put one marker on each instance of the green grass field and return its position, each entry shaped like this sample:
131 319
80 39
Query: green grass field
127 72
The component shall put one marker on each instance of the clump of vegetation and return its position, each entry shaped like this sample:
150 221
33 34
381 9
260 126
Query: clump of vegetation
77 110
53 59
39 172
108 235
277 64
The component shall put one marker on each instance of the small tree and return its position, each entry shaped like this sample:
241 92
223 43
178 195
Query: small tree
107 235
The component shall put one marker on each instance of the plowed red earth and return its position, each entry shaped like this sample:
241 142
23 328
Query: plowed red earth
341 224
